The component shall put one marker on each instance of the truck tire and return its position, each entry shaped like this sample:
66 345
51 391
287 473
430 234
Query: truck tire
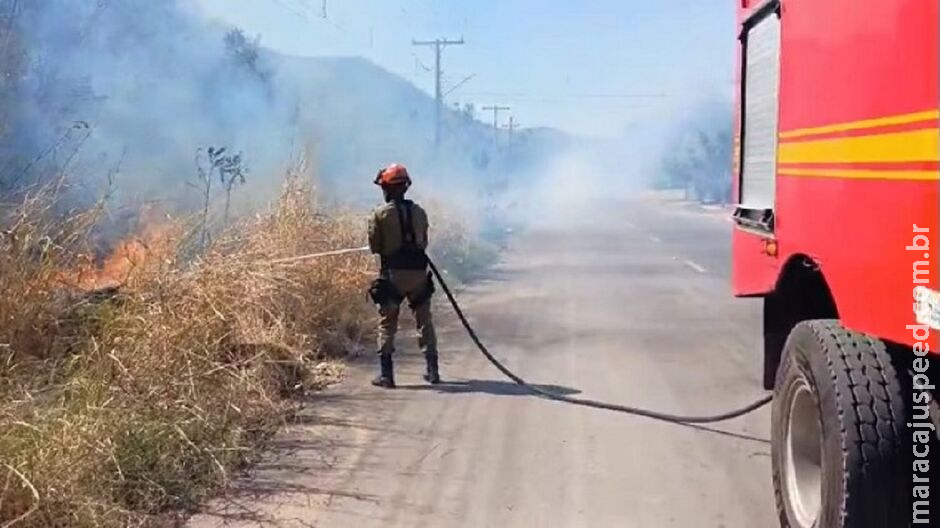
840 459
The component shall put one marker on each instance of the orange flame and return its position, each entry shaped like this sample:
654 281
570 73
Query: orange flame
127 256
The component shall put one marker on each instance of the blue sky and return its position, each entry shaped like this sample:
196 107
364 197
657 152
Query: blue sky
590 67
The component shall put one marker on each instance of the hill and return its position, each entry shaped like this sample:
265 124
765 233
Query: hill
157 87
363 117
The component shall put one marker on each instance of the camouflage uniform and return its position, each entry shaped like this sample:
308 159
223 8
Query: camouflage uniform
388 231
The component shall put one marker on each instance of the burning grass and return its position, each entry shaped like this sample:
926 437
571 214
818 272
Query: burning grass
137 386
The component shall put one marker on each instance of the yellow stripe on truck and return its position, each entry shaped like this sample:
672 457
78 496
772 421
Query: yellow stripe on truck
905 119
913 175
911 146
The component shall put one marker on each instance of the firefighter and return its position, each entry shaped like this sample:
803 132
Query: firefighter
398 234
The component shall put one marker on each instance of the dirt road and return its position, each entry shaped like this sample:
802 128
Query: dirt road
635 309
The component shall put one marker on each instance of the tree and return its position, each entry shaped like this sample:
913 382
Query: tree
469 112
714 180
231 172
247 54
699 161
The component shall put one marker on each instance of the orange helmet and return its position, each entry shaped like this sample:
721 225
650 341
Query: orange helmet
394 174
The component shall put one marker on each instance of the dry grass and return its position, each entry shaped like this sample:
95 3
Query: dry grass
119 405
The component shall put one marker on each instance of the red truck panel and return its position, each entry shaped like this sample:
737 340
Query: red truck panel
858 158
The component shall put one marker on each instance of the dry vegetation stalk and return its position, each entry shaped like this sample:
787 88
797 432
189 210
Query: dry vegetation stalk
119 404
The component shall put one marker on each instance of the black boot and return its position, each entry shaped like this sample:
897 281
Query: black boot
386 377
432 376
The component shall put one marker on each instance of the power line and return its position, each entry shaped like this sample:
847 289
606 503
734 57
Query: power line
547 97
302 9
420 65
439 45
461 83
292 8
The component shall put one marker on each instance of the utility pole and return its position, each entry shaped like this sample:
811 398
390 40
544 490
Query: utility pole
496 110
511 127
439 45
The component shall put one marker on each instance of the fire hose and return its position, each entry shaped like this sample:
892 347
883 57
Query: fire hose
537 391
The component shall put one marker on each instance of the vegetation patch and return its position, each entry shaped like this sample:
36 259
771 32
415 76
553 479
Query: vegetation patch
138 384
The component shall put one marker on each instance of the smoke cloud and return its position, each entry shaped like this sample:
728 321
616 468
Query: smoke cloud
126 93
132 88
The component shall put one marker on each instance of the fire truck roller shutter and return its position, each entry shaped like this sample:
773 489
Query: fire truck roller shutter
760 113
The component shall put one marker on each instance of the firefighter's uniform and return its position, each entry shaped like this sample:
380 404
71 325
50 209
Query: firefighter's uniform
398 233
386 238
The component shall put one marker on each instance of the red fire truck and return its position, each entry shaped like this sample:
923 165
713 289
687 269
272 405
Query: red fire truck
837 229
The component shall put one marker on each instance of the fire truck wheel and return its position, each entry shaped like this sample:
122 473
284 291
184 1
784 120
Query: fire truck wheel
838 428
